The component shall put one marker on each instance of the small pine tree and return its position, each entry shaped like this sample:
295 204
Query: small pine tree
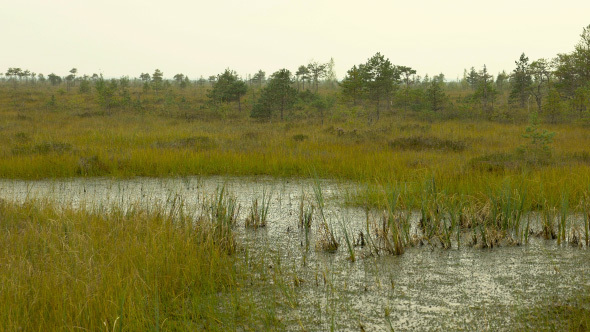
537 150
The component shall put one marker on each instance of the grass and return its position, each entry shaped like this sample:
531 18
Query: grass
171 137
586 216
163 269
419 143
64 269
328 241
222 210
258 215
394 231
347 239
571 314
305 214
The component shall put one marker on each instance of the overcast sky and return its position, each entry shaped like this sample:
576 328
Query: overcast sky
128 37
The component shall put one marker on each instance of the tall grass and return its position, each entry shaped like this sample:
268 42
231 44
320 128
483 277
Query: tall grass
258 215
305 214
586 213
65 269
548 220
563 216
347 238
305 220
222 210
327 241
394 231
454 209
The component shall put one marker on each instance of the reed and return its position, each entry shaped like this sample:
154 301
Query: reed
258 215
347 238
454 207
563 216
305 221
548 223
393 227
328 241
222 209
305 214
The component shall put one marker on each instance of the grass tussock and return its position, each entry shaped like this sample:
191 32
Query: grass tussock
419 143
133 270
258 214
195 142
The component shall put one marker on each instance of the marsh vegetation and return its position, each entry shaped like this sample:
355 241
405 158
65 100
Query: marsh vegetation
384 201
185 238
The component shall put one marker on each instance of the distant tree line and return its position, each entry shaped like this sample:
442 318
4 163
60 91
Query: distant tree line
556 88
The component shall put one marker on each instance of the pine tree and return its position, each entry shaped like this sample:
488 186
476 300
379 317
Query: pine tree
520 81
278 94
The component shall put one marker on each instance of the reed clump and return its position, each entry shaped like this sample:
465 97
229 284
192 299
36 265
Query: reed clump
393 235
502 216
327 240
258 215
222 211
305 214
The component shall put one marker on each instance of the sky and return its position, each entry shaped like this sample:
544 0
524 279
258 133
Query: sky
129 37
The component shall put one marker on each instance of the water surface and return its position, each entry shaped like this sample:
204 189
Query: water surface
427 288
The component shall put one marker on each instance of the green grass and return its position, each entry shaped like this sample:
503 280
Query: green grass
571 314
172 137
64 269
258 215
